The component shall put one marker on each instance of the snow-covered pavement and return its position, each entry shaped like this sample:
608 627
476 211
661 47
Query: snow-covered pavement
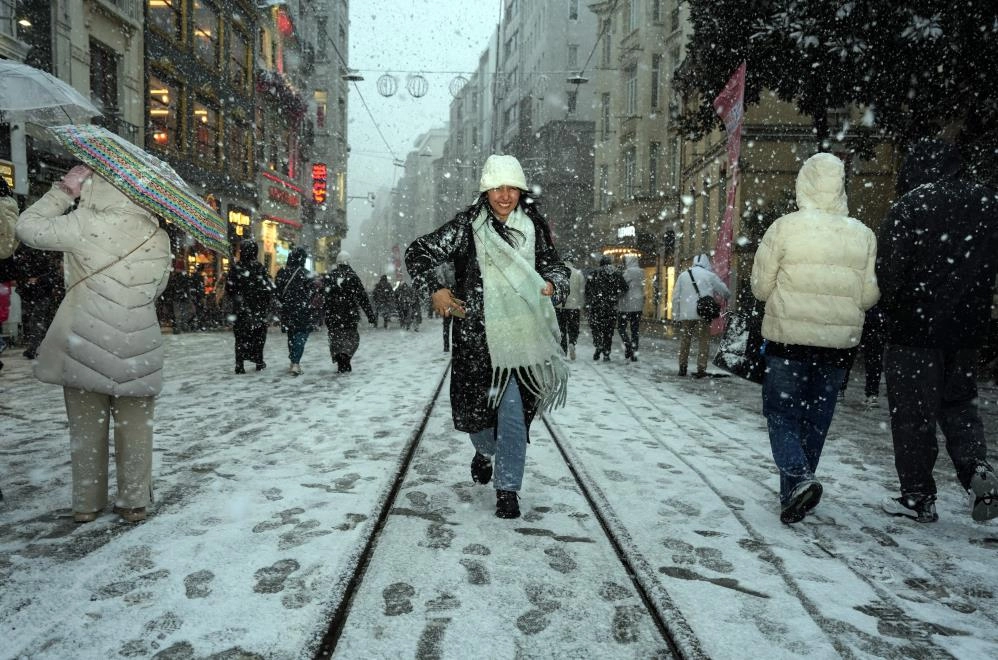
269 487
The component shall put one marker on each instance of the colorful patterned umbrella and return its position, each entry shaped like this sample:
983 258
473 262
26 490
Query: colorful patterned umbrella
146 180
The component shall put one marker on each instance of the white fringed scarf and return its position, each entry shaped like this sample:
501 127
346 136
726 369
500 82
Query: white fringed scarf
520 324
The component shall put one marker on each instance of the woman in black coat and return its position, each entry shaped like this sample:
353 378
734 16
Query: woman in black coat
295 288
249 287
343 295
499 379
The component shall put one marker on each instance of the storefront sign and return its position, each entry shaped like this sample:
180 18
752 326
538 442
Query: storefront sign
7 172
319 190
283 196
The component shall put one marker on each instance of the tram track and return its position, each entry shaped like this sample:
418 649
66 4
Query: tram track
677 637
338 617
811 533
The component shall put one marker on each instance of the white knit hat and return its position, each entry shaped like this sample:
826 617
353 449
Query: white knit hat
343 258
502 171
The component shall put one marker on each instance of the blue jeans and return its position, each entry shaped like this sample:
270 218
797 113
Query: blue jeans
296 344
798 400
507 442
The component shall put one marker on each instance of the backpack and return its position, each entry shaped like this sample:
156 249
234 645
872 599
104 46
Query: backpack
708 308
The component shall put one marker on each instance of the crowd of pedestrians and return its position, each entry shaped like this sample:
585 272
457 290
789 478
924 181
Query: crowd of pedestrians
916 302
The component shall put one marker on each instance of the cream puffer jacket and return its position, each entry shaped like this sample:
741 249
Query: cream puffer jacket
105 336
815 267
8 219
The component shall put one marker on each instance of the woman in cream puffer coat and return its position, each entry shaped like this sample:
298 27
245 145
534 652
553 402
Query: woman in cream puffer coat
815 270
104 346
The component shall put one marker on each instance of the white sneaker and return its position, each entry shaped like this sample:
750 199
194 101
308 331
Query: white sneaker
296 370
571 351
983 493
871 401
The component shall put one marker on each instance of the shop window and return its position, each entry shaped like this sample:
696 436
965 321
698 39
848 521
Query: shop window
237 146
239 59
164 115
104 77
206 33
321 101
165 16
206 133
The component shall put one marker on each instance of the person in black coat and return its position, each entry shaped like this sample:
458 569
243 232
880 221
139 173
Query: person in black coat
603 287
384 299
249 287
39 282
343 295
295 288
507 272
937 258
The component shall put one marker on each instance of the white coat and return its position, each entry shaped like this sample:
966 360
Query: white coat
684 294
8 220
105 337
815 267
634 299
576 298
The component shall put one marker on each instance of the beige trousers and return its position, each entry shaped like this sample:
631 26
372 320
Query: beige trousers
688 330
89 418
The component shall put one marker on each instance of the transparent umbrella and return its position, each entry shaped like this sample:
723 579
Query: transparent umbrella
40 98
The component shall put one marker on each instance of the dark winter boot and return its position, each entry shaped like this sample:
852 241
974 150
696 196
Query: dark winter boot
803 498
260 366
346 363
481 469
340 368
507 504
240 369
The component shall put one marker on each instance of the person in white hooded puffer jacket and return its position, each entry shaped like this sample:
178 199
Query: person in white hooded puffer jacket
630 305
684 310
104 346
815 270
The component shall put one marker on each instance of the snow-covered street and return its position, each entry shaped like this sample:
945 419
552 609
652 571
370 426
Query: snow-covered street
650 528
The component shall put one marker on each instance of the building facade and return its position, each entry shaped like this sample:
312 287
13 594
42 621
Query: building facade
94 45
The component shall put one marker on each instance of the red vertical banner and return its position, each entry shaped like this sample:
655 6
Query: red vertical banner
730 105
397 263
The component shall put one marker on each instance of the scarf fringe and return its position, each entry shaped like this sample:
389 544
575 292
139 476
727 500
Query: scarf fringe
548 382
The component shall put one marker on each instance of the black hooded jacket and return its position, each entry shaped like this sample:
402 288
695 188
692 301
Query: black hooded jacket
295 288
343 296
250 288
937 253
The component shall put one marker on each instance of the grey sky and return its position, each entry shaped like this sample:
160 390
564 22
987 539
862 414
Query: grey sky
403 37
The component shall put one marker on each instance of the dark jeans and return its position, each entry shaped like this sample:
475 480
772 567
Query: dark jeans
568 323
629 321
798 400
925 387
36 317
250 341
872 349
601 325
296 343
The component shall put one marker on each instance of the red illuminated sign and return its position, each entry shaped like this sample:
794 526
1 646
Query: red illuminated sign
283 196
319 190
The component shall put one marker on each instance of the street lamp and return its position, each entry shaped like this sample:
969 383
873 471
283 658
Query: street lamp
352 75
577 79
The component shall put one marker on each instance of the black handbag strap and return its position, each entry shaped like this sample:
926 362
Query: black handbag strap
692 279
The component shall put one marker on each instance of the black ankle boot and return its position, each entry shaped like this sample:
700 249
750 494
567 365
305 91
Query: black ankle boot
481 469
507 504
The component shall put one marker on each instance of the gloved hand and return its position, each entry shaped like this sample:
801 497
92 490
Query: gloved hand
72 181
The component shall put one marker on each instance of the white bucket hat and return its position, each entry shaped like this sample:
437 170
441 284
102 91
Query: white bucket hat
502 171
343 258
